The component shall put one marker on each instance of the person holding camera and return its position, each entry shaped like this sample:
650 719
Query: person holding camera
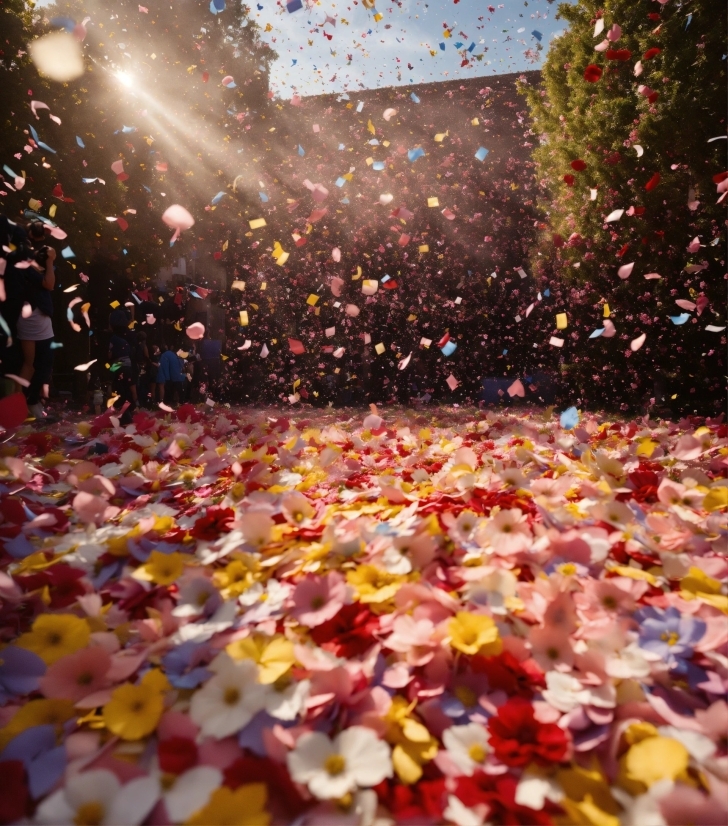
34 323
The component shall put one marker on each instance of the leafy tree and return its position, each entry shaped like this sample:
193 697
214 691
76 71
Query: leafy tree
635 137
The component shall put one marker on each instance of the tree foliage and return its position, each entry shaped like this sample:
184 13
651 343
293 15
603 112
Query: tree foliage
644 141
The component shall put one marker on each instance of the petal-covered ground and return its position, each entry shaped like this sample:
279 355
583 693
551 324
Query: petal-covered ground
448 616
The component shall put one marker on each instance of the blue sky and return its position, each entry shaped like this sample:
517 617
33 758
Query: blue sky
363 53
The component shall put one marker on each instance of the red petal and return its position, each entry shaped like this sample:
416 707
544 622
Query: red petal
578 165
592 73
569 180
652 183
651 53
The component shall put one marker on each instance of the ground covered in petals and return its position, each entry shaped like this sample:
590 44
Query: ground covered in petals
364 617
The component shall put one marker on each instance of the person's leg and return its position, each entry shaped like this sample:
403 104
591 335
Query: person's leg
42 369
28 349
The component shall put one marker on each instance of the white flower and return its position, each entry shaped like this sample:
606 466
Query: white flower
229 700
508 532
533 791
187 793
459 814
296 509
98 797
286 702
331 769
627 663
564 692
467 746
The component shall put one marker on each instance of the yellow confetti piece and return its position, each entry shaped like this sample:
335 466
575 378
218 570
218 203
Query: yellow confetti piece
257 223
561 321
433 202
380 348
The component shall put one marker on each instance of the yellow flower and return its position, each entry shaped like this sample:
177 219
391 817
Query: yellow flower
474 634
56 635
243 807
37 713
237 576
134 710
716 499
274 655
164 569
413 744
373 584
581 785
656 758
585 813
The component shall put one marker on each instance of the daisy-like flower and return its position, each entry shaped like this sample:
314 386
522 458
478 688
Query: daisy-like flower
197 595
256 527
356 758
77 675
317 599
54 636
467 746
296 509
508 532
287 699
228 700
97 798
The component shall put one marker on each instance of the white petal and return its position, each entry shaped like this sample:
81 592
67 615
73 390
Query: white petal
309 756
133 803
367 757
191 792
99 785
331 787
459 814
55 809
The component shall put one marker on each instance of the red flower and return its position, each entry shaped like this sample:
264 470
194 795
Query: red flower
518 738
282 792
652 183
349 633
569 180
423 802
558 240
187 413
499 795
650 53
213 523
177 754
592 73
578 165
506 673
63 584
14 795
618 54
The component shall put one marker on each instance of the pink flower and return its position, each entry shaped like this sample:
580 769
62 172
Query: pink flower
551 648
415 638
77 675
508 532
318 599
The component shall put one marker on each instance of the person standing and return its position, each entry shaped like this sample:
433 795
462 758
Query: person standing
35 325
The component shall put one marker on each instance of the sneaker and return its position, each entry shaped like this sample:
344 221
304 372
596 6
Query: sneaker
36 411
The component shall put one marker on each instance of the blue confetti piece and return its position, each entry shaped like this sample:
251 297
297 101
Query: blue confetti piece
442 47
537 35
459 45
260 8
10 172
80 142
690 17
147 188
569 419
56 345
68 253
340 182
39 141
547 293
680 319
293 62
449 348
125 252
127 129
504 353
216 200
378 166
300 150
341 147
386 278
417 152
482 153
344 201
597 333
471 47
263 197
294 5
414 97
